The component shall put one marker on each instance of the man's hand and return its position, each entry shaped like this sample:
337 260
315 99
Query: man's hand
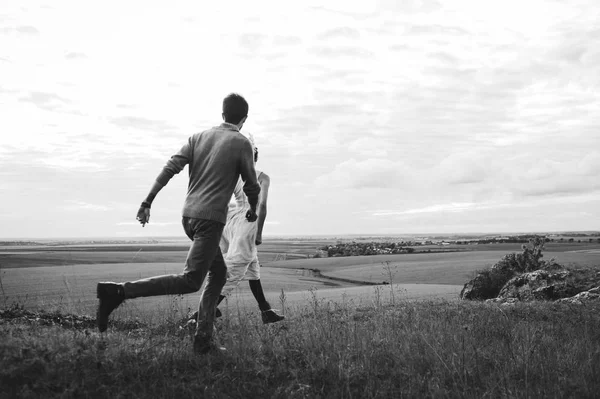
143 215
251 215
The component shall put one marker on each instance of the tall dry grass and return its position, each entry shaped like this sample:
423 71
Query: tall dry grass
377 347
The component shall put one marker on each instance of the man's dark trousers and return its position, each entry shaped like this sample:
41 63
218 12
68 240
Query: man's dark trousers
204 258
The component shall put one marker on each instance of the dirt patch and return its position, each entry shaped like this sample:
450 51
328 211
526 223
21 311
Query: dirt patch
317 274
18 315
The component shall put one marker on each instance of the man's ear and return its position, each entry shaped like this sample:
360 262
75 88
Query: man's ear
223 116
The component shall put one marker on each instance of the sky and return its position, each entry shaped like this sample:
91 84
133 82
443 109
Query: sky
380 117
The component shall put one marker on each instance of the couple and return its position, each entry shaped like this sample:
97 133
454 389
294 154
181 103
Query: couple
216 159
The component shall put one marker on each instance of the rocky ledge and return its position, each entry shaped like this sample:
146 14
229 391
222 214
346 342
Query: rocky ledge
576 286
526 277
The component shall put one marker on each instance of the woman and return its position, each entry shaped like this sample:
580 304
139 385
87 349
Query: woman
239 244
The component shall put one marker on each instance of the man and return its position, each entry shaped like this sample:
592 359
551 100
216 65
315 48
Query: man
239 242
217 158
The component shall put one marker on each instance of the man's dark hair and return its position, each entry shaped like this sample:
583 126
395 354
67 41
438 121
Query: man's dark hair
235 108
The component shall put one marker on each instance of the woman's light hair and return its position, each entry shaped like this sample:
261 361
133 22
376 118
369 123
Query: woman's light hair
251 138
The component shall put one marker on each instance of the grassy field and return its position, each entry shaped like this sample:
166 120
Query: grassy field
386 349
340 339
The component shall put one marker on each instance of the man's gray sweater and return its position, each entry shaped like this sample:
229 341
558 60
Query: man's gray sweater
216 158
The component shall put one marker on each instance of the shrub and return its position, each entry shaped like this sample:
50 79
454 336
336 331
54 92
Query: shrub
529 260
488 283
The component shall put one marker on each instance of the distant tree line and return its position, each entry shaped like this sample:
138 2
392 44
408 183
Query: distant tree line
590 240
522 239
519 239
406 247
362 248
15 243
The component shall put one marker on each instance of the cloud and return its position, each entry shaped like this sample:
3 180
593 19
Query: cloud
157 224
527 176
340 51
44 100
74 55
433 112
369 173
444 30
464 168
357 12
252 42
589 165
72 163
75 205
577 47
393 7
126 106
142 123
439 208
288 40
369 146
5 90
558 187
343 32
306 118
445 58
24 30
268 48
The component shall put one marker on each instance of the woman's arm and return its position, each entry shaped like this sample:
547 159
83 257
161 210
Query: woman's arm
265 181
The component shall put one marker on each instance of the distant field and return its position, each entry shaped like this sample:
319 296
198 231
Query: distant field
433 268
515 247
73 288
64 255
269 251
68 274
92 257
75 285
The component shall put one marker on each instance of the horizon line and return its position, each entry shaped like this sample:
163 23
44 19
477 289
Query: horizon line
332 235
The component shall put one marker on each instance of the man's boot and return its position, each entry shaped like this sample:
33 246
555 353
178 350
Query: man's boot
203 346
218 313
111 295
269 316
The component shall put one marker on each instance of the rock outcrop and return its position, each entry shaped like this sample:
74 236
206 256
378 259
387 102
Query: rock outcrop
486 284
475 288
575 286
583 297
526 277
544 285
